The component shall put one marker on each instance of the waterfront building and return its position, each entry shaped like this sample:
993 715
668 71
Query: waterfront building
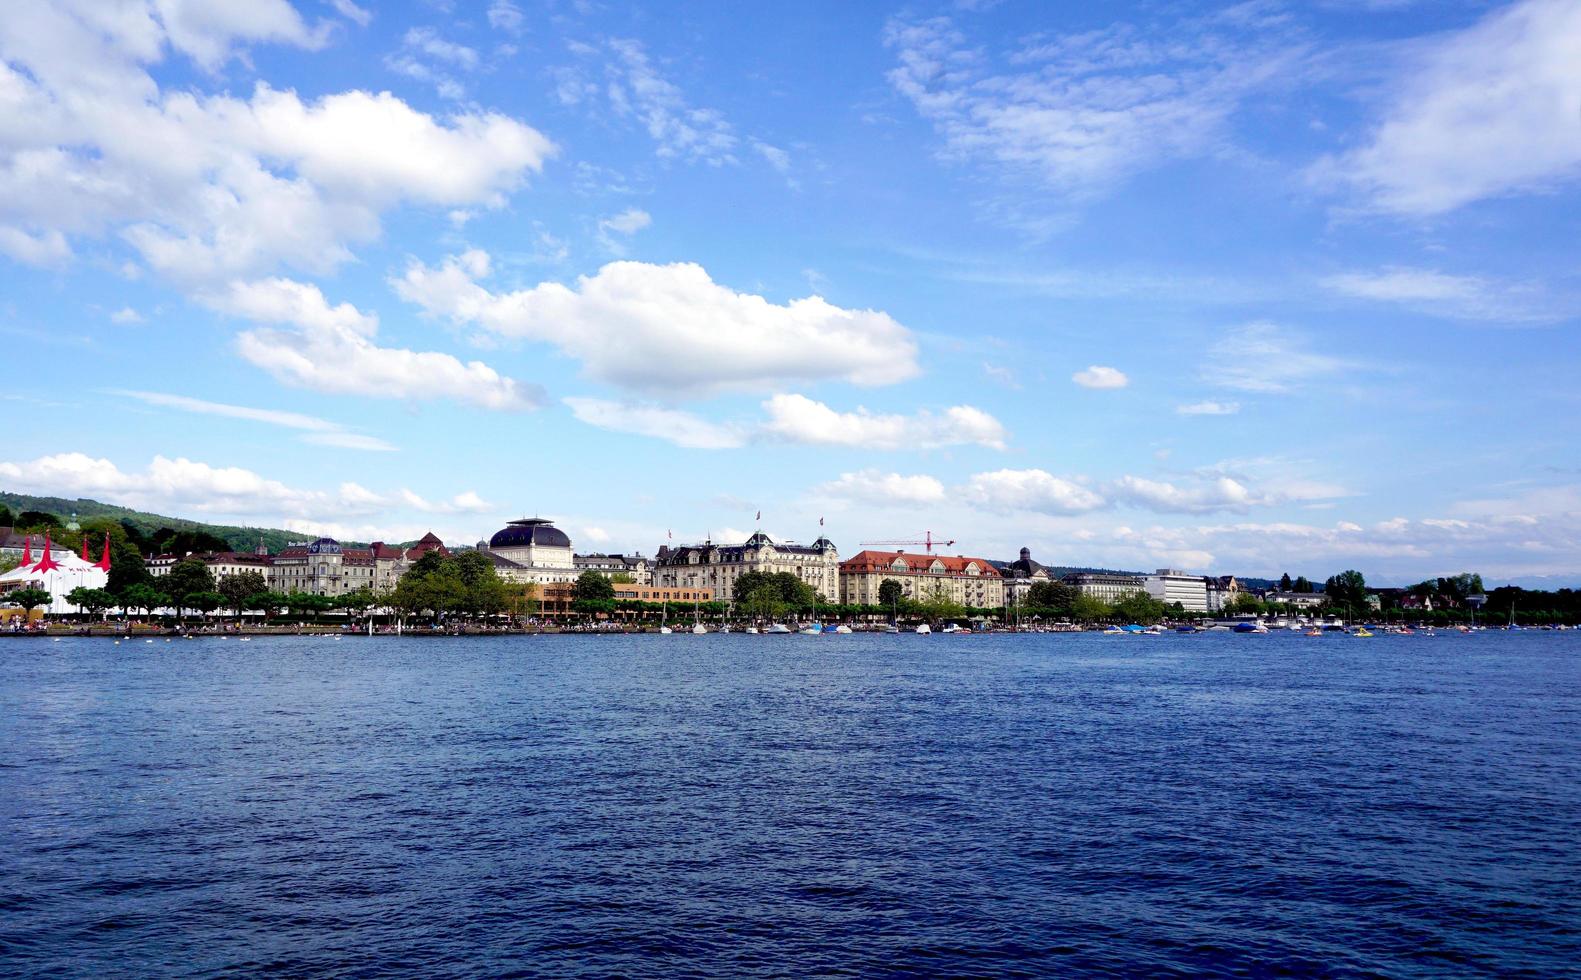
221 564
973 582
557 599
323 567
533 551
1109 587
637 567
1222 590
1169 586
1020 575
1300 600
717 567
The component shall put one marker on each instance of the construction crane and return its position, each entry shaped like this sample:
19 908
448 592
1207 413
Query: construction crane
927 542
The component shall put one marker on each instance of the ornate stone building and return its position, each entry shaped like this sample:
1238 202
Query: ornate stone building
971 582
533 550
323 567
1020 575
717 567
637 567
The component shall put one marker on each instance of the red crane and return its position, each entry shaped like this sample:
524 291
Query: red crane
927 542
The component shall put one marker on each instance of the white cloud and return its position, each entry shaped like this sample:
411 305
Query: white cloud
318 431
1030 490
876 487
1486 112
506 16
206 187
332 349
1101 377
126 315
1222 493
1208 408
625 224
797 418
1266 357
1439 294
183 486
361 16
1080 113
672 425
427 57
670 330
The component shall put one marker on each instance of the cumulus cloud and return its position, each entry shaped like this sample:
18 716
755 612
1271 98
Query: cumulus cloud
797 418
321 432
1221 493
188 486
876 487
333 349
670 330
1030 490
1101 377
1485 112
208 187
625 224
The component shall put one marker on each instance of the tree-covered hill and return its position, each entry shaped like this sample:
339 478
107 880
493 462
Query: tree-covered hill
148 525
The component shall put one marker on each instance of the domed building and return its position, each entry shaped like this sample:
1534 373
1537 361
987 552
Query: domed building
533 550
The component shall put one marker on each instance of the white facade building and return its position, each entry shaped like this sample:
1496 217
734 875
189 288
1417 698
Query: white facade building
717 567
1169 586
1109 587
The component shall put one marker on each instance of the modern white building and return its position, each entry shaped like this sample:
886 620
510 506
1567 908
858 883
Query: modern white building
1170 585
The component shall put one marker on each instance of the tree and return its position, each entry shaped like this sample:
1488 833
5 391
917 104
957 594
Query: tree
6 518
1245 604
203 602
889 594
764 602
37 520
1141 608
127 568
1089 609
793 591
1055 597
622 578
91 601
936 604
1285 583
265 602
1302 585
238 588
29 599
143 596
358 601
591 586
188 577
1348 590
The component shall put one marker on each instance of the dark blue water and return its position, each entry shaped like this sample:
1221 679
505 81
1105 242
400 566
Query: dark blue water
727 805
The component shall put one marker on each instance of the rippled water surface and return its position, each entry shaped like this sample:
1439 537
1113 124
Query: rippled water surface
730 805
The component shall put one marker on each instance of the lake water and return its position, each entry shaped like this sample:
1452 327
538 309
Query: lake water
787 805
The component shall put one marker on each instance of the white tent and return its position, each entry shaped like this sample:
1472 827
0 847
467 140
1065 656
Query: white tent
71 572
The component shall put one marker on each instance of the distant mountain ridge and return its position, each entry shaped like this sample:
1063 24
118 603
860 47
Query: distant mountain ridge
239 538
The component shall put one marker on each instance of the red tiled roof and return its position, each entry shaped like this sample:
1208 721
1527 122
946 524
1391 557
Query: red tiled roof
883 561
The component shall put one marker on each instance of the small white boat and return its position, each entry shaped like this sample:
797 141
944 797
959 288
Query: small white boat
842 628
892 628
752 629
811 630
699 628
665 630
924 629
778 628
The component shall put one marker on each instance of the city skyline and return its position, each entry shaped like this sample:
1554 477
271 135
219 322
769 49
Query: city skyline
1249 289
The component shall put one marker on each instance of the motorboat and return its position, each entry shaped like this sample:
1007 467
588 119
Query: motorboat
1113 631
752 629
813 630
1250 628
699 628
924 629
842 628
665 630
778 628
892 628
1362 631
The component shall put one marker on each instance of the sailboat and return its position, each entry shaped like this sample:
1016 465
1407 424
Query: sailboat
664 615
697 624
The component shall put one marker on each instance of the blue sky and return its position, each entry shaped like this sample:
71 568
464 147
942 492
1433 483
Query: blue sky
1233 288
